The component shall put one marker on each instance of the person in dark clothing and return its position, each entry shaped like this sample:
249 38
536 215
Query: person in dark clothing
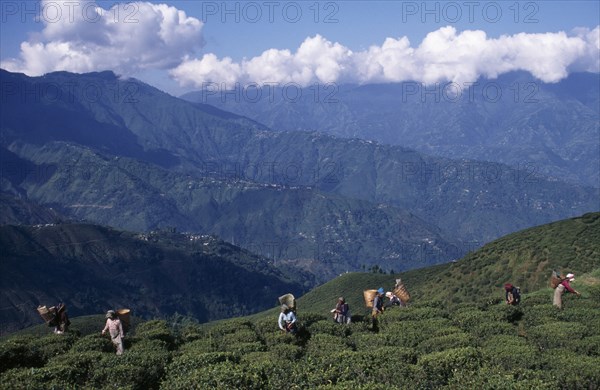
61 319
341 312
512 294
377 307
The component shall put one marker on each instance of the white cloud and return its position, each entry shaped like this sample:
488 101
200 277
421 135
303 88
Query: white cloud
443 55
81 36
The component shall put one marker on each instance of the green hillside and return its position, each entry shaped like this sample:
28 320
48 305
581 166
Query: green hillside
525 258
477 343
93 268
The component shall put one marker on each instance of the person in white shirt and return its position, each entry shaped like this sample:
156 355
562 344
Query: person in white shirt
287 320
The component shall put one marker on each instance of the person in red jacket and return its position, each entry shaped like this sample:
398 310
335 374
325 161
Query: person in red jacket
561 288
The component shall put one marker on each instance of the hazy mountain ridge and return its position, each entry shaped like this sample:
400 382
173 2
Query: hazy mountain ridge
515 119
93 268
154 173
272 220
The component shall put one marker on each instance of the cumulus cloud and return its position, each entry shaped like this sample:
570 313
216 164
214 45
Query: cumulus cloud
82 36
443 55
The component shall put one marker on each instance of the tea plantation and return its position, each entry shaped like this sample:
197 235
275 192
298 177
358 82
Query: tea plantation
483 344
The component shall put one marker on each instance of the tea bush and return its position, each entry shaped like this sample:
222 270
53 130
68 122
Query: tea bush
20 352
479 345
439 367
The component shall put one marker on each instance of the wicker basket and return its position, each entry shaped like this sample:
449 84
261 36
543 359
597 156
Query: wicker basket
289 300
369 296
401 292
47 314
555 279
125 317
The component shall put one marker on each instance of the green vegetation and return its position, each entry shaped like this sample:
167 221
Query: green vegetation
426 345
524 258
474 341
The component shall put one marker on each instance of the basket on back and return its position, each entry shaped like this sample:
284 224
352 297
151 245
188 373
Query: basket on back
47 314
369 296
125 317
555 279
289 300
400 291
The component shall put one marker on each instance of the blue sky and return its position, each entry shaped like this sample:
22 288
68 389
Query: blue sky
182 45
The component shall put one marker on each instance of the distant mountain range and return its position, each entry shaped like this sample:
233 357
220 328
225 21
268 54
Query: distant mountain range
93 268
549 129
121 153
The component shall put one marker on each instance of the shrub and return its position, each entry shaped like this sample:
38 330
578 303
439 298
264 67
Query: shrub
243 348
286 351
73 368
91 343
411 333
231 326
588 346
222 375
198 346
366 341
487 329
390 366
541 314
569 370
498 378
243 335
505 313
35 378
509 352
556 335
185 364
191 332
323 344
150 345
469 319
439 367
420 313
135 369
17 352
441 343
53 344
155 330
329 327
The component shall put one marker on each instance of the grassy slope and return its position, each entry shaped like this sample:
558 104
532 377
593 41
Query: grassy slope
524 258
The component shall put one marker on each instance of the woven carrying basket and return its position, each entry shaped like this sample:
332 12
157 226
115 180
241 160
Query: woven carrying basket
369 296
125 317
47 314
289 300
555 279
401 292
